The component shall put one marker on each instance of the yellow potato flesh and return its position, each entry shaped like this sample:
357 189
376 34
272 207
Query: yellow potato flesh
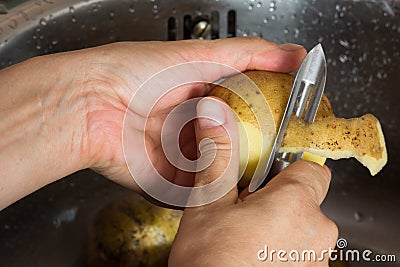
256 141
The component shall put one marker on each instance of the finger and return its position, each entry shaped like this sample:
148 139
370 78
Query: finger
303 179
246 53
218 142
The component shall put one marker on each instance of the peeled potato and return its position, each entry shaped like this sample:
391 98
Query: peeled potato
328 136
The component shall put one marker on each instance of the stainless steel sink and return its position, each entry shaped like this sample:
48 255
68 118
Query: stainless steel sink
362 43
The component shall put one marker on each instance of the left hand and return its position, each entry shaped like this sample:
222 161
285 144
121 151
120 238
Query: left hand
120 69
64 112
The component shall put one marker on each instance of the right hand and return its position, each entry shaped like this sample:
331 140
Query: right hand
284 215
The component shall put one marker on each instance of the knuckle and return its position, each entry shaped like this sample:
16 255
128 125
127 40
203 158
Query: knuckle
295 188
328 230
312 176
331 229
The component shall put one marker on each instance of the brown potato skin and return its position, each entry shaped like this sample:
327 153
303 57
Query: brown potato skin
132 232
274 86
327 136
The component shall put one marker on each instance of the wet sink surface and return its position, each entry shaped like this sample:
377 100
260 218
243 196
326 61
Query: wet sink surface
362 44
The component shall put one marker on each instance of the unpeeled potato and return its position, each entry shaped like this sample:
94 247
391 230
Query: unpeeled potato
328 136
132 232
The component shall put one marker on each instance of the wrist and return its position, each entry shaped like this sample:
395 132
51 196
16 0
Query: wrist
42 125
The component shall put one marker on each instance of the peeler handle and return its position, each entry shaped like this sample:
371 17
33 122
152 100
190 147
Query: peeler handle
280 164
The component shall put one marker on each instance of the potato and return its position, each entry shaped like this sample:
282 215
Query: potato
132 232
274 89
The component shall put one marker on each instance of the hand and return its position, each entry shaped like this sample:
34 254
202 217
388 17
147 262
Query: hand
284 215
118 70
64 112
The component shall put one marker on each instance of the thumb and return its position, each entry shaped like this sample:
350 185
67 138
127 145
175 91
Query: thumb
218 143
303 180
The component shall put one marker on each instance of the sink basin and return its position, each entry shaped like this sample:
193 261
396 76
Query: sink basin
362 44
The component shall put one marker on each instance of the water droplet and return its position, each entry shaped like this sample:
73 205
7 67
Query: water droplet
54 42
94 28
73 19
250 7
96 7
286 31
43 22
71 9
374 21
272 6
242 32
259 4
343 58
273 17
155 8
381 75
296 33
265 21
38 47
131 10
344 43
111 15
358 217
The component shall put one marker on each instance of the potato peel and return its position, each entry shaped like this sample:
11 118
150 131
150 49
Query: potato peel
337 138
331 137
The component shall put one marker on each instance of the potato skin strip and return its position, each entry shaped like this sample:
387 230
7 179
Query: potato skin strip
329 137
338 138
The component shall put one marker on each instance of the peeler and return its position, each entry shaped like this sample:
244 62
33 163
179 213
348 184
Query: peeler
303 102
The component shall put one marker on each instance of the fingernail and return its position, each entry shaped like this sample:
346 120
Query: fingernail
210 113
290 47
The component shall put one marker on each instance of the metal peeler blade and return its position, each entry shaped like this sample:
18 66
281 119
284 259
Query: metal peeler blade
309 85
